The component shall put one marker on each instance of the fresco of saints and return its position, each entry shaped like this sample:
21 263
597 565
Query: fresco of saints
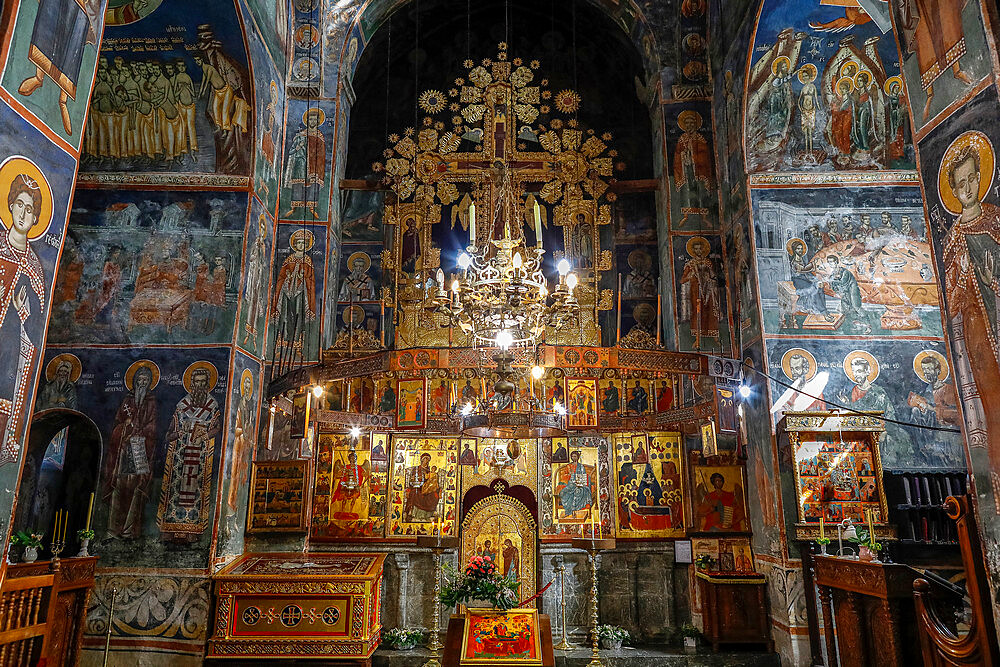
60 390
806 392
700 307
972 281
692 162
863 369
423 491
639 281
845 285
351 489
574 487
295 290
937 403
229 85
268 153
244 437
777 107
717 509
842 115
128 463
358 285
255 291
27 216
933 30
185 496
62 29
305 166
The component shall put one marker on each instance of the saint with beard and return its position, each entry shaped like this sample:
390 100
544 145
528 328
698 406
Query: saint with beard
185 497
128 464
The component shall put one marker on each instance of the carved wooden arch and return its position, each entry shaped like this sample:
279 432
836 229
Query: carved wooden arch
498 518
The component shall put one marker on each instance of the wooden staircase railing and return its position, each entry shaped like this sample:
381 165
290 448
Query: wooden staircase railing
940 644
42 609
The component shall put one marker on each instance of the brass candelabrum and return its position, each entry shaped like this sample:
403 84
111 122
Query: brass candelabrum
56 548
593 546
563 645
438 544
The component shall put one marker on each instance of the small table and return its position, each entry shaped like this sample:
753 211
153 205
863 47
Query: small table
868 612
734 609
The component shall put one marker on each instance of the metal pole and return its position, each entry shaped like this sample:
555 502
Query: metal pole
563 645
111 617
595 656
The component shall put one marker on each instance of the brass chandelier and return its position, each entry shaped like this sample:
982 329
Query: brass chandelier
502 298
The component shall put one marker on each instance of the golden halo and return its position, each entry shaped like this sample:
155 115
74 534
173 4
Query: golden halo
130 373
362 255
690 245
845 66
10 169
793 241
838 82
683 116
74 362
987 160
348 315
786 362
858 76
867 356
262 224
889 82
213 374
243 381
314 110
274 86
924 354
774 65
301 234
807 69
643 312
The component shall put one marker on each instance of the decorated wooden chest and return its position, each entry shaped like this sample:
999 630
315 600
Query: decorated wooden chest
298 605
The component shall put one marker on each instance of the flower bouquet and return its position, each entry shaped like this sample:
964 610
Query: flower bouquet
479 582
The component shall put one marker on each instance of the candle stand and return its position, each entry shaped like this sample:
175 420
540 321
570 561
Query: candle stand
592 546
438 544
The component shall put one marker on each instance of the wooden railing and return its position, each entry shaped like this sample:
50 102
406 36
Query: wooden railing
42 609
940 642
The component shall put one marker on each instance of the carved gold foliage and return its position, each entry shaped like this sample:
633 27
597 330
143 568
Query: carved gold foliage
604 263
550 141
593 147
606 301
571 139
449 142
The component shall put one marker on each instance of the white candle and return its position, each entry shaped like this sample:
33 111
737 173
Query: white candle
472 224
538 225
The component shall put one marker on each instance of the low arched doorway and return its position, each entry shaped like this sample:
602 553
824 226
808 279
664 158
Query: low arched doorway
61 470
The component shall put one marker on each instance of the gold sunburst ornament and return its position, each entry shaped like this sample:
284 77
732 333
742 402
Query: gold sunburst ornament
567 101
432 101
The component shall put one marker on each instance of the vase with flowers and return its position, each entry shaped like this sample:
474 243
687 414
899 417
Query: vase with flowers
478 583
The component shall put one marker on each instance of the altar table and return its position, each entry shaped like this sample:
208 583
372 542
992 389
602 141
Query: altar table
292 605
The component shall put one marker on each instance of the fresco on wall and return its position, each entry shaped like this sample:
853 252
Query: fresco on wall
270 118
755 433
150 267
162 416
742 280
270 17
945 53
691 170
728 103
50 62
172 94
241 442
910 381
959 170
36 188
859 263
296 301
253 304
825 92
699 284
305 176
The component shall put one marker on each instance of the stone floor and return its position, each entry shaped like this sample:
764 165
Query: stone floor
626 657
